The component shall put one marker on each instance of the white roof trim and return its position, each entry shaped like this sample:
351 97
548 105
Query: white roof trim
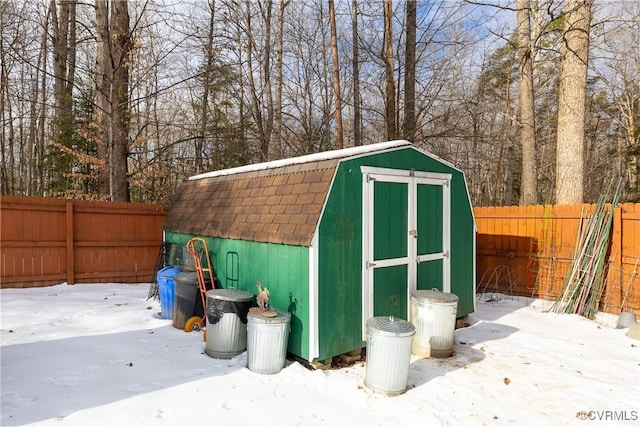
316 157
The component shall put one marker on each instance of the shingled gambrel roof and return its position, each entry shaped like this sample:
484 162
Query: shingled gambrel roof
278 205
276 202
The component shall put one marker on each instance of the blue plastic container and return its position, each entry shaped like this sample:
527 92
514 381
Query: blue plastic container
166 288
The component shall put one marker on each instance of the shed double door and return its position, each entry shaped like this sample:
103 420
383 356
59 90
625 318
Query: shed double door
406 225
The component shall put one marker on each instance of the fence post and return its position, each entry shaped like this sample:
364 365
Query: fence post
70 255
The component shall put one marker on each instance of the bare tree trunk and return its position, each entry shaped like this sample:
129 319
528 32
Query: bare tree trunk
41 140
498 181
103 94
71 57
410 73
255 102
63 19
276 151
33 152
390 87
336 76
357 117
112 96
529 184
60 21
571 103
242 122
205 93
325 139
266 141
6 171
120 99
30 151
264 126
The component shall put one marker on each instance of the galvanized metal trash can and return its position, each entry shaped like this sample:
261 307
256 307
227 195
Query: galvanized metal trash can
625 320
388 354
267 341
433 313
227 322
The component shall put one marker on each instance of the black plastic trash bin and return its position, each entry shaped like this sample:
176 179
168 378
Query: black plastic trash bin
187 302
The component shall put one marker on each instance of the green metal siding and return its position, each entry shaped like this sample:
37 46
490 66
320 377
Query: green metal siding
340 247
462 249
283 269
339 260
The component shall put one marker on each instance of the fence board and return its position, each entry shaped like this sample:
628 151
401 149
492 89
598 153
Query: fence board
47 241
537 243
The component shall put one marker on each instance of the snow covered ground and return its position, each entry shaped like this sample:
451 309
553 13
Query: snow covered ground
95 354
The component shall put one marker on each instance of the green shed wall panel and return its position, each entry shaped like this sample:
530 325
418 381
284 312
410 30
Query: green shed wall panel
339 261
340 247
283 269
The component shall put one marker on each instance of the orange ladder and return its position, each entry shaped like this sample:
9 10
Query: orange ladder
195 323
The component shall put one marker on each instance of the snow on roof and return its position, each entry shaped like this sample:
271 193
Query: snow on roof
326 155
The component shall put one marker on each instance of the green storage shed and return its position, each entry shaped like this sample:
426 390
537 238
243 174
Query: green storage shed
337 237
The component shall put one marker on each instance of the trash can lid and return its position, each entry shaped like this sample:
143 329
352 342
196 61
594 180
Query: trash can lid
230 295
280 317
190 278
435 295
169 271
391 326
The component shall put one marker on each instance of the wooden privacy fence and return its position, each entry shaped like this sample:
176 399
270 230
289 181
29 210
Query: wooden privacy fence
529 250
46 241
521 250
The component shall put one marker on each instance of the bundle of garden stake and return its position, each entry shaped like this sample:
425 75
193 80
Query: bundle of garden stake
583 285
